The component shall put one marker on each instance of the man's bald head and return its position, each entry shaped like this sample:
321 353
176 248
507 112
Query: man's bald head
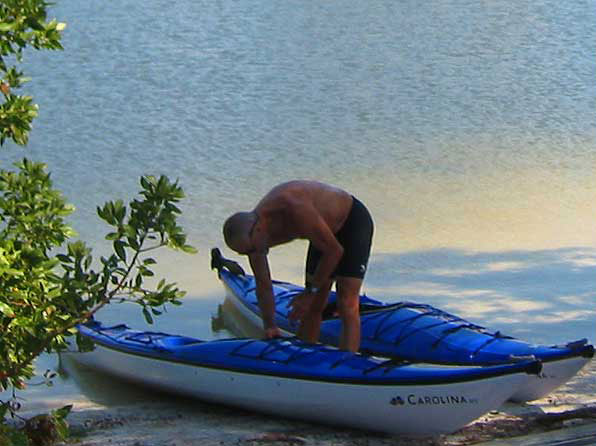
237 229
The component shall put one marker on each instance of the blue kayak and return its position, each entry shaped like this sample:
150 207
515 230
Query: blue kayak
289 377
413 331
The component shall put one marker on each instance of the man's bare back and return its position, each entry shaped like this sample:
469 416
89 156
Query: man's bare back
294 210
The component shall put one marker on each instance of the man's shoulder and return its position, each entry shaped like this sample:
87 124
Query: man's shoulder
286 195
299 195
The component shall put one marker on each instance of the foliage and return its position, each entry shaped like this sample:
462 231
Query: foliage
46 429
51 284
40 430
48 294
23 23
10 436
32 224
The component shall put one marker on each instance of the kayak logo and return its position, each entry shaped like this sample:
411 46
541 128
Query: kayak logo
397 401
422 400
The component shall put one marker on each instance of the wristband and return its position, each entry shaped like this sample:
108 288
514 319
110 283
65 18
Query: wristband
311 289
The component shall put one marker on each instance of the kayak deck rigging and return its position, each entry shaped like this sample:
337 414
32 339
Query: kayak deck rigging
303 350
386 324
284 351
381 318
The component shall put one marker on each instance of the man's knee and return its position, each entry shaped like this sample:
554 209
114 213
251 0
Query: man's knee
349 306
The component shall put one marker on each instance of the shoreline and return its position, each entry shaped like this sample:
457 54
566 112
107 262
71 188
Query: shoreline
176 425
174 421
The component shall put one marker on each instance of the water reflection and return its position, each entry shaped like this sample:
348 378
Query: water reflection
100 388
230 320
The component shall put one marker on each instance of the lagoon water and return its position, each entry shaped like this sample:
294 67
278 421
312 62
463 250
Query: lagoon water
468 128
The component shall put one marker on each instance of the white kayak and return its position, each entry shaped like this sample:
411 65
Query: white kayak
287 377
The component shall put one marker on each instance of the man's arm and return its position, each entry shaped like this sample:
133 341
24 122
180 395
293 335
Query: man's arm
260 268
313 227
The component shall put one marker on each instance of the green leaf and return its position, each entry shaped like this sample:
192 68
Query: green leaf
101 213
62 412
64 258
61 428
119 210
5 309
148 316
189 249
35 24
6 27
145 182
133 243
146 272
84 344
119 247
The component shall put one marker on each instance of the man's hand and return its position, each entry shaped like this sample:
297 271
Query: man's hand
300 305
272 333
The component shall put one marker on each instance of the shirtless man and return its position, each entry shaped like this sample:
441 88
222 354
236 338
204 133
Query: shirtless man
339 229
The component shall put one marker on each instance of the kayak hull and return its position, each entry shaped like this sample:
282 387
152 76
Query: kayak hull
405 399
554 374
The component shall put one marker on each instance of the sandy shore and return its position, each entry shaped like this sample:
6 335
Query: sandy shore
168 421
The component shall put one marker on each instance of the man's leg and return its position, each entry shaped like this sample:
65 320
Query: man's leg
310 326
348 291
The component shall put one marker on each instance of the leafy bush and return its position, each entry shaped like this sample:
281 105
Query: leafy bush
50 284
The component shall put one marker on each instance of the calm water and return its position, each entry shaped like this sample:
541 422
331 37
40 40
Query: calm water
468 128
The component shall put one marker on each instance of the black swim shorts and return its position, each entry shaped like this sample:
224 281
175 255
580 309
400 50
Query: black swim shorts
355 236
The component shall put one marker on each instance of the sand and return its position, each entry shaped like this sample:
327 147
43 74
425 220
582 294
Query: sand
569 413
